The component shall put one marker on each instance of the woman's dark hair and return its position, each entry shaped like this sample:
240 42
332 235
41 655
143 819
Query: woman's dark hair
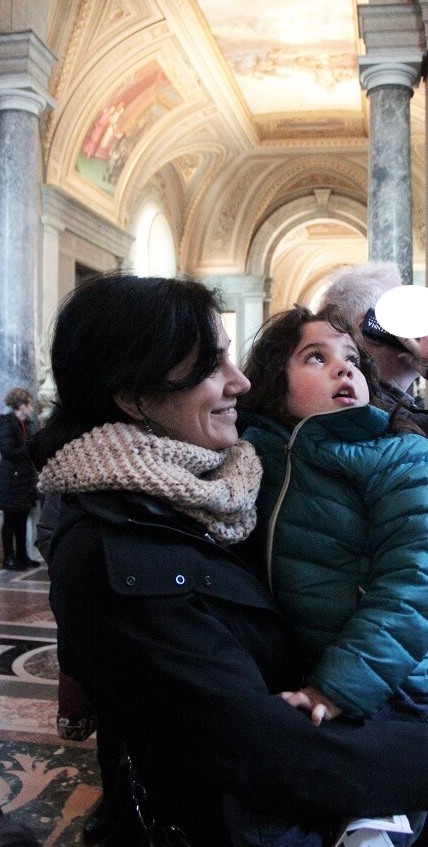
266 366
118 333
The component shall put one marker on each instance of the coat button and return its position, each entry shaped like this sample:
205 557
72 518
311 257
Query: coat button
130 580
180 579
207 580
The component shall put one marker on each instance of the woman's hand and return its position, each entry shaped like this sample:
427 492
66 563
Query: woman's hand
320 707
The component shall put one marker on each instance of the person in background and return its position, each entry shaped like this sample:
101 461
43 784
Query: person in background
355 290
342 524
170 632
18 479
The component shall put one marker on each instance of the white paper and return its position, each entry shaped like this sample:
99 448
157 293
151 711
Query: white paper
366 838
372 832
393 823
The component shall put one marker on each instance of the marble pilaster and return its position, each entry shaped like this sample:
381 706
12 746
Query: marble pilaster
390 87
245 296
24 63
18 215
423 4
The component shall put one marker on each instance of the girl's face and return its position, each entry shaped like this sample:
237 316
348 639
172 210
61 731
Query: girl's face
324 373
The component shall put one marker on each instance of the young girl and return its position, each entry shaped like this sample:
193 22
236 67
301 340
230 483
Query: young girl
342 523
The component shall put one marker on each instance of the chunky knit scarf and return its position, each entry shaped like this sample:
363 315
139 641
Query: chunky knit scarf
218 489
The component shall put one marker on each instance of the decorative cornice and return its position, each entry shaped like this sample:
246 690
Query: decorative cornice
80 220
336 145
25 66
423 4
392 28
69 58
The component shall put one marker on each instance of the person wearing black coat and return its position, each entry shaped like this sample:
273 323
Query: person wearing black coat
172 635
18 478
192 690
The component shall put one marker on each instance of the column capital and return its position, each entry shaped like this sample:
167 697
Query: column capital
18 98
25 68
387 70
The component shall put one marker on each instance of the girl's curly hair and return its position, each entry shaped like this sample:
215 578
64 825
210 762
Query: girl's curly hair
266 365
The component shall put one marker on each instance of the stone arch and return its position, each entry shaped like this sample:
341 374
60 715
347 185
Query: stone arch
305 268
319 205
248 190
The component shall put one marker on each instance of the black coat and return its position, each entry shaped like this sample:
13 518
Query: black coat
392 397
18 477
183 645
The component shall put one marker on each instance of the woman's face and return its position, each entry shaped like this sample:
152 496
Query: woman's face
206 414
323 373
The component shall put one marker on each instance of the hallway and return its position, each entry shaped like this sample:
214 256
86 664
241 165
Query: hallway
45 783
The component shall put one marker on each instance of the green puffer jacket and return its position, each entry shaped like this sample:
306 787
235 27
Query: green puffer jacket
343 530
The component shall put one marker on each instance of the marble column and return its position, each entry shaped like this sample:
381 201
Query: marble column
25 64
423 6
390 87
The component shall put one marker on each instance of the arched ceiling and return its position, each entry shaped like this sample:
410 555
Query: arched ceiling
230 111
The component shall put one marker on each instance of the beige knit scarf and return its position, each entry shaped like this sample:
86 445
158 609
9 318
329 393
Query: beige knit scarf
218 489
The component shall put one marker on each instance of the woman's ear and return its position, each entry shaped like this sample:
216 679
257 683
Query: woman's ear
128 406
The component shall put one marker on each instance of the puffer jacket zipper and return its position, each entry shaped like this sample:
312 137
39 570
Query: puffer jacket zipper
279 501
284 489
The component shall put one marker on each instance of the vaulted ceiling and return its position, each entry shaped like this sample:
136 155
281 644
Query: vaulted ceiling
246 120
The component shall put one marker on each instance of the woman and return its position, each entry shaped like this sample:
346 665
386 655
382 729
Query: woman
17 479
158 618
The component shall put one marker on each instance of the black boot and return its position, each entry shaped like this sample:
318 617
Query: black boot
28 563
10 564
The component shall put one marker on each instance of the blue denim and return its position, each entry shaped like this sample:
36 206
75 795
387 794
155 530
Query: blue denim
252 829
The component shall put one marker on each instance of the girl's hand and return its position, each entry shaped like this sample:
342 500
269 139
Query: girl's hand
320 707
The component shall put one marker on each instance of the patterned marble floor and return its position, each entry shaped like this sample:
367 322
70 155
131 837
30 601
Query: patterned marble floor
46 783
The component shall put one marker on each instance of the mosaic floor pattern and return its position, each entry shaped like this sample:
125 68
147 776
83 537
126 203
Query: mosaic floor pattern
46 783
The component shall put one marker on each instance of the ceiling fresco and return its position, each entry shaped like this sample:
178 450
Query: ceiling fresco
294 64
190 97
121 122
292 56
